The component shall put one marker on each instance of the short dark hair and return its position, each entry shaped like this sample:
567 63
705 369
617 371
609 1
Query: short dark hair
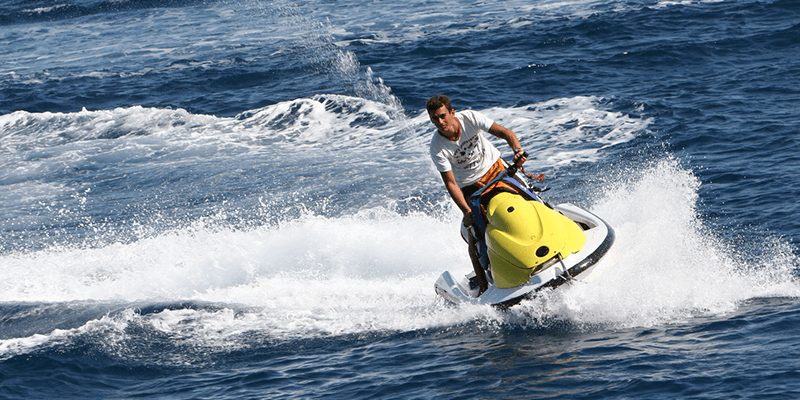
436 102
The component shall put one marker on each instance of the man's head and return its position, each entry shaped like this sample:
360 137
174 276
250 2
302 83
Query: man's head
443 116
436 102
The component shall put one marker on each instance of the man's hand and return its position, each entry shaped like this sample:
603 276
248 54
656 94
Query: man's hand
520 155
467 221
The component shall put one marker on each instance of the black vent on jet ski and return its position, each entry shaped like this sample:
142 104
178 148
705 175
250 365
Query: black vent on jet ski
542 251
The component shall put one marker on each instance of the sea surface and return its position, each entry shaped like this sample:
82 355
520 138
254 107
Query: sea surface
233 199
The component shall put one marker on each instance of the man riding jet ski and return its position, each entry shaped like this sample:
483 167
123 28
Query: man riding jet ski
468 163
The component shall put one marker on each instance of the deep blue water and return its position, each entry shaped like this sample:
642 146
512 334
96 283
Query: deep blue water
234 199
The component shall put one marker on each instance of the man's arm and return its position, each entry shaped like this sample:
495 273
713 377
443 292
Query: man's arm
510 137
455 191
506 134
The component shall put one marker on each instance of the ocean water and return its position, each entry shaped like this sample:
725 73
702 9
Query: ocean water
233 199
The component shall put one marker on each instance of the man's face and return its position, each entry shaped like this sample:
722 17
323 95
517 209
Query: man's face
445 121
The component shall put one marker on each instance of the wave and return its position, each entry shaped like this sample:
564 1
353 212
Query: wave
372 272
575 127
321 119
94 177
557 132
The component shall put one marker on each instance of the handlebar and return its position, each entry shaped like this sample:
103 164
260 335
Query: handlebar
514 168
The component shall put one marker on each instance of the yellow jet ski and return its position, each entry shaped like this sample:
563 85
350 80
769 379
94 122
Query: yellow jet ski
525 245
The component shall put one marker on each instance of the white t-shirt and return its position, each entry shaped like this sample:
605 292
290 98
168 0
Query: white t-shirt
472 155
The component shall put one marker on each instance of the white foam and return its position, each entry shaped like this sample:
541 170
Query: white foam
374 271
111 330
197 261
555 132
667 265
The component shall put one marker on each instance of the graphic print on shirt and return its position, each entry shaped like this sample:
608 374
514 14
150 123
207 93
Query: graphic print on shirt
465 156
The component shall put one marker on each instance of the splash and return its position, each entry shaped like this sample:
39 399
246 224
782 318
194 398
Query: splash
372 272
667 265
195 262
310 277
